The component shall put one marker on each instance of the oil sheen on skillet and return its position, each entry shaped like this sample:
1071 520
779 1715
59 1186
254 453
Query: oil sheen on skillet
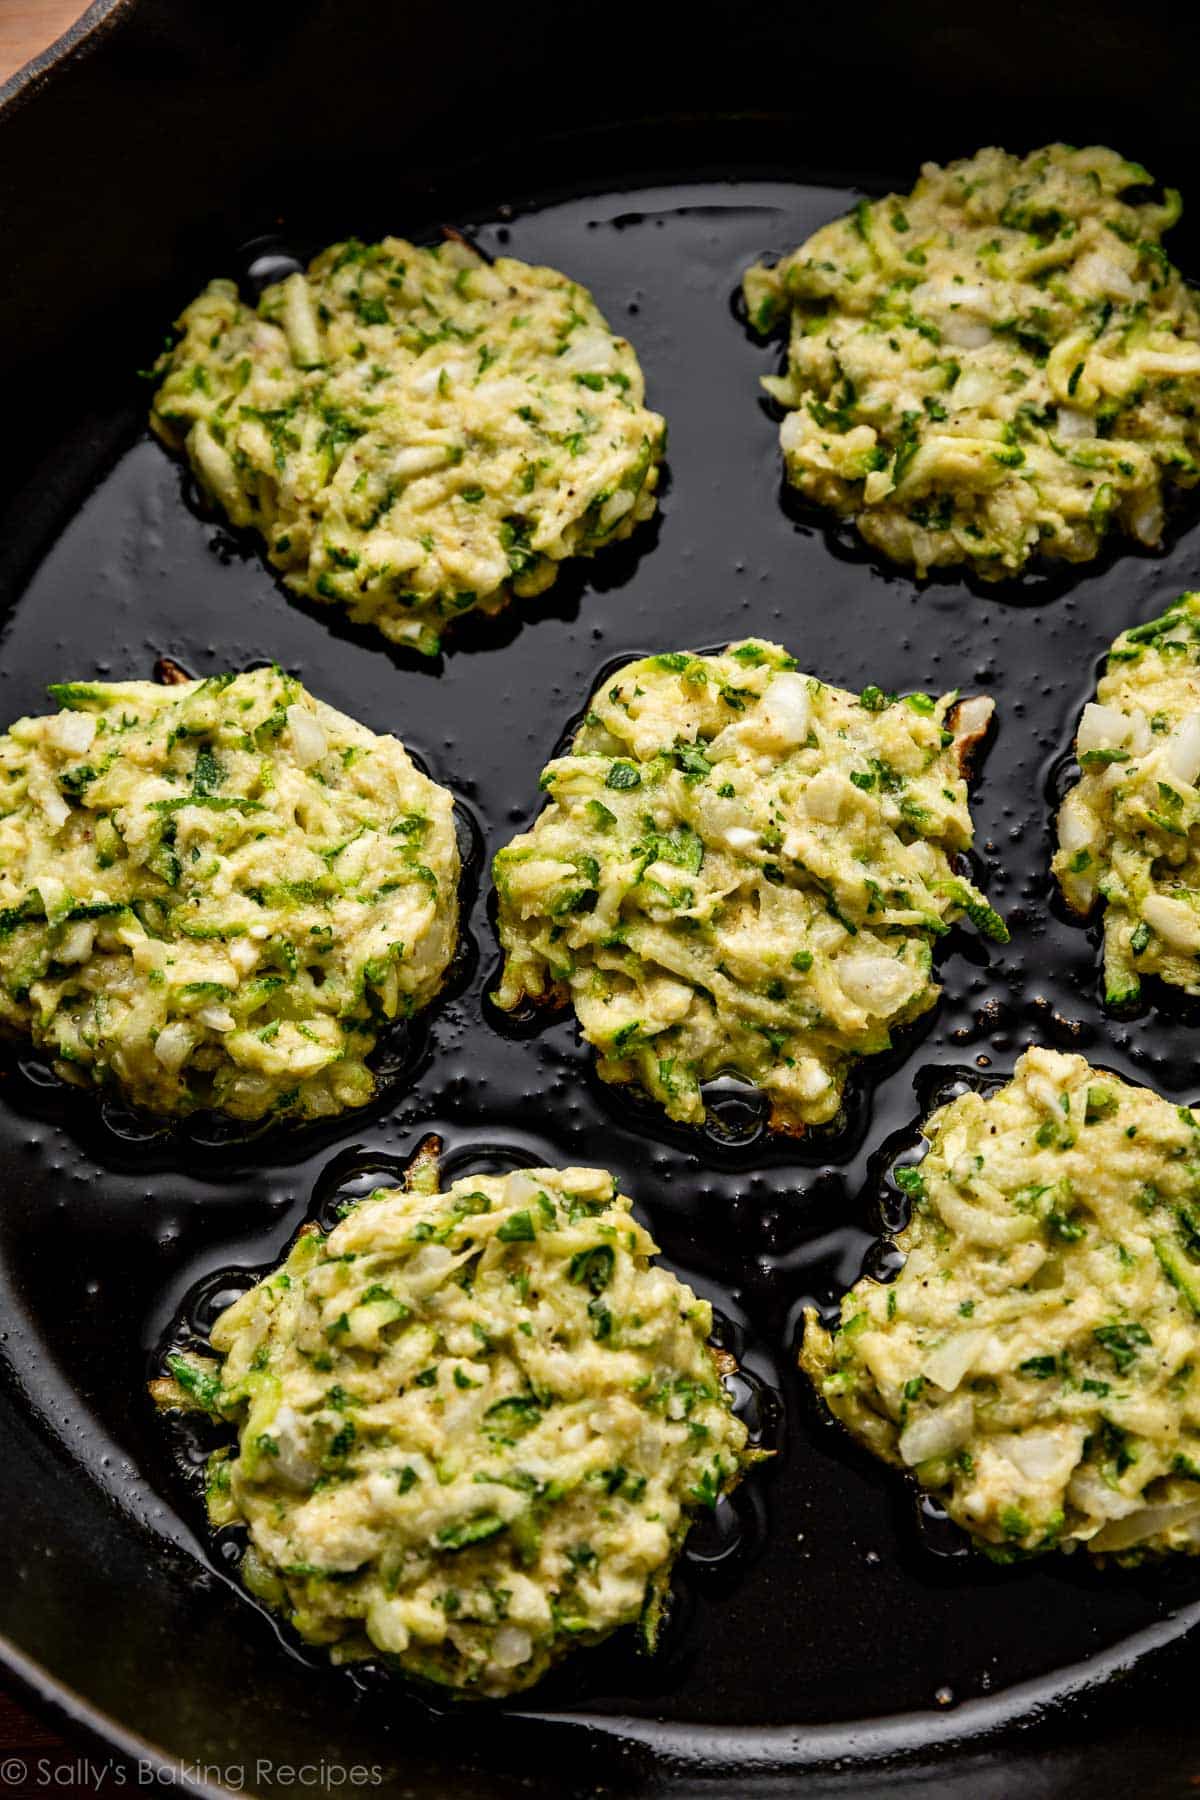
829 1598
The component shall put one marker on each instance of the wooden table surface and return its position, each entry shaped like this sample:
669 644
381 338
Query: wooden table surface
33 1758
27 26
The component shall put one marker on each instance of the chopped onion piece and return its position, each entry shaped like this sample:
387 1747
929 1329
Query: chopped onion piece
511 1646
1174 920
172 1045
1101 728
53 805
780 720
965 333
418 459
1092 1495
217 1018
1042 1456
879 984
1140 737
1077 827
75 945
1100 274
309 742
1146 520
972 388
946 1365
939 1432
588 351
52 892
823 796
1182 754
971 718
431 1259
243 955
291 1462
521 1189
74 732
1123 1534
1073 424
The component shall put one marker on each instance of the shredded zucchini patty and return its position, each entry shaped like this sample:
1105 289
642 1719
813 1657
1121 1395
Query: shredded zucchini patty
414 433
1000 363
741 870
472 1426
216 894
1129 831
1036 1362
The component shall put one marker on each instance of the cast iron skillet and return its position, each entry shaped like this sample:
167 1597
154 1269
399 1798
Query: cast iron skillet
826 1630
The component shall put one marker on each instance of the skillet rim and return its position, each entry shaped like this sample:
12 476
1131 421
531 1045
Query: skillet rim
88 1724
95 22
26 1678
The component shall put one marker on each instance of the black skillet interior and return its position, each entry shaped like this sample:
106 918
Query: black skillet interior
827 1625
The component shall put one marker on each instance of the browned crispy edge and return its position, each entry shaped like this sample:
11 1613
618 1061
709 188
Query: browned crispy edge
967 743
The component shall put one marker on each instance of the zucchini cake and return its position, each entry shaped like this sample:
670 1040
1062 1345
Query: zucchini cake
1129 830
742 870
999 364
473 1426
1036 1362
413 432
217 894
